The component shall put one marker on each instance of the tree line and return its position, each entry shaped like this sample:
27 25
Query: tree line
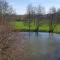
34 13
38 14
5 11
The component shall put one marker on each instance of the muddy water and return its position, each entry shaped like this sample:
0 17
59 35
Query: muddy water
43 46
33 46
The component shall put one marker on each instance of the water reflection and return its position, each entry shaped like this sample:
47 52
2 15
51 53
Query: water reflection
43 46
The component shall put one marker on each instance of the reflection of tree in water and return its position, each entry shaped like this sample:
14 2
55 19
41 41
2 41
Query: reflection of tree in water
29 35
36 33
52 46
37 49
32 46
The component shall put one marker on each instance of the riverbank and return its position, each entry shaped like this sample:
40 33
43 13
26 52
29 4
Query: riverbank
22 30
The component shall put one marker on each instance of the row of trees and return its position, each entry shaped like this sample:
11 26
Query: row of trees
5 10
38 15
53 18
5 32
35 14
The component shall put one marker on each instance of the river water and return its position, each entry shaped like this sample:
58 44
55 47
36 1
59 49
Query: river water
41 46
35 46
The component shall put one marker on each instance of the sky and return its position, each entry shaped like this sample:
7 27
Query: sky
21 5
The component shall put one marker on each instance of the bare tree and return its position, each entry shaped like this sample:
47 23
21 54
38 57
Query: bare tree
5 31
52 19
39 16
5 10
58 16
29 14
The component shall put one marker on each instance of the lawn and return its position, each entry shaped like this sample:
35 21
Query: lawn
57 29
22 26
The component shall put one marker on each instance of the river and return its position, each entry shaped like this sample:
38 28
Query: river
41 46
35 46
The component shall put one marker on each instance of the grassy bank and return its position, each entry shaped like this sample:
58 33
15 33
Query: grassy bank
21 26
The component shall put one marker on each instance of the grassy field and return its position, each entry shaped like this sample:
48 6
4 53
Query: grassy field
22 26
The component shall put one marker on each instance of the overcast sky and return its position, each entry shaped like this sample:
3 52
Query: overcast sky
20 5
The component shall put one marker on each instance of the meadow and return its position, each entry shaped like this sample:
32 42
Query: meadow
21 26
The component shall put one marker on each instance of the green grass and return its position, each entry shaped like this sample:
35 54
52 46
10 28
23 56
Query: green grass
44 28
17 25
21 26
57 29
